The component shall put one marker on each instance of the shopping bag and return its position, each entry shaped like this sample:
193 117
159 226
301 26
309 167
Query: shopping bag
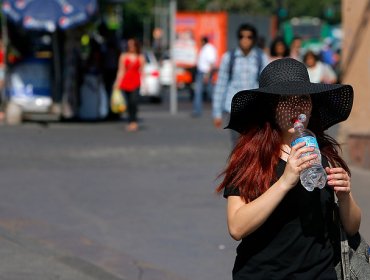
117 102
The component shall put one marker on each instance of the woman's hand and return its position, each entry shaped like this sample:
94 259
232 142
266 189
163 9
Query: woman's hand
296 163
350 213
339 180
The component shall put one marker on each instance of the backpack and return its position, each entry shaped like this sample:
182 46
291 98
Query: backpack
232 61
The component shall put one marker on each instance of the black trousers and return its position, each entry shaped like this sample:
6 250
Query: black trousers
132 99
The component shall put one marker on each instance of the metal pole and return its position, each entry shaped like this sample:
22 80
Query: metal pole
146 33
173 88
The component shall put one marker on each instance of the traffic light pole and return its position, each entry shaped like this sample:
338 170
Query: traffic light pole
173 88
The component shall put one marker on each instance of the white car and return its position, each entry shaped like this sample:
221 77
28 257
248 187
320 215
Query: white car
165 73
150 84
184 76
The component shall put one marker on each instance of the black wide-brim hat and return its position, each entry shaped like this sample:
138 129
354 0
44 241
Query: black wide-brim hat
331 103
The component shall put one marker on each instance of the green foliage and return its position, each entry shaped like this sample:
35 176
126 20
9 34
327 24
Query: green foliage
326 9
319 9
253 6
136 12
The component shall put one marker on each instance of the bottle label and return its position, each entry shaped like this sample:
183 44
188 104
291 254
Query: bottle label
310 141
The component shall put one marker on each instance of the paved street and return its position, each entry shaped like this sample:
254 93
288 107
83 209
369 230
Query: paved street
91 201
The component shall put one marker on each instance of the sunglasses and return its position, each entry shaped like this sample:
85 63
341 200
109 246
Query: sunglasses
250 37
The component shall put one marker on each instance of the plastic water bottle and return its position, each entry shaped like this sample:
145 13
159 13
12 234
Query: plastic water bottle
314 176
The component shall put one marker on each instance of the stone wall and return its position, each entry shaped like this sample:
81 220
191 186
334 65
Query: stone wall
355 132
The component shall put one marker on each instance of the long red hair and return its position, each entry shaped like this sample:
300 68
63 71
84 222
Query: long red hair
252 163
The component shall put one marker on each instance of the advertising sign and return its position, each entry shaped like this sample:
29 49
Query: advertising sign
191 27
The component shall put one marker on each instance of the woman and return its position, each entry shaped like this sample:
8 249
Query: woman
296 48
278 49
131 65
318 71
284 228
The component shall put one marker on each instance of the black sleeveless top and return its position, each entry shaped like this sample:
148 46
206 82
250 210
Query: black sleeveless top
294 242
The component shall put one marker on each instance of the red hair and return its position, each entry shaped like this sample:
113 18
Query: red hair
253 161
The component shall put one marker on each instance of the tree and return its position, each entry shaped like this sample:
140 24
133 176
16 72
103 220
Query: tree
326 9
135 13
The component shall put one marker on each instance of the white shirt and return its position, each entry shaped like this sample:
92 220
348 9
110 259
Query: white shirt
321 73
206 58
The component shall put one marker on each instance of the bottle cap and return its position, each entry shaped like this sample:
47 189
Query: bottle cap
302 118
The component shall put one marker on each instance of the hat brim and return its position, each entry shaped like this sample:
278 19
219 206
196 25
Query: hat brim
331 103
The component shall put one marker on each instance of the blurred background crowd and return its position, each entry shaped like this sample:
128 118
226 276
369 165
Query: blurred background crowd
59 59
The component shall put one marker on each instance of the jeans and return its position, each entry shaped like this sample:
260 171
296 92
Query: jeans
200 86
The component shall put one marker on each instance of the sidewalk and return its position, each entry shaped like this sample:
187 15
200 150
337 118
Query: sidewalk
26 258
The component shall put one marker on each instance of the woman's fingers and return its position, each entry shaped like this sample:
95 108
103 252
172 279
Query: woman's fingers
306 161
339 179
297 147
300 158
336 170
299 162
338 176
337 173
302 153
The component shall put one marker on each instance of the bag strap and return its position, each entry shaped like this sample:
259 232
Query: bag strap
344 246
231 64
259 62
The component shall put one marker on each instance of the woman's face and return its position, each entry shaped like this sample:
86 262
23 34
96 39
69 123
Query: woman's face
310 61
131 45
288 109
280 49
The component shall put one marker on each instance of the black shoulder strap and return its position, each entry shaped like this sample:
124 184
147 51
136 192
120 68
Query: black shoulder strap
232 61
231 64
259 62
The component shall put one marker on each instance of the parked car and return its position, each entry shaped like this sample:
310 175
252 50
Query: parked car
150 84
184 76
28 89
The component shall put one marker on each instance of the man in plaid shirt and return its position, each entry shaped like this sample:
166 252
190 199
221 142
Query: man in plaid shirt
247 62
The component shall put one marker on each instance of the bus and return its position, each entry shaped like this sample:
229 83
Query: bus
312 30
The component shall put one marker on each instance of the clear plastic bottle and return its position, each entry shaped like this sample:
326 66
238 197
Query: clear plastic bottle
314 176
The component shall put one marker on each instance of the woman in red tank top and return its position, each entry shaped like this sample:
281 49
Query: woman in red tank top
128 79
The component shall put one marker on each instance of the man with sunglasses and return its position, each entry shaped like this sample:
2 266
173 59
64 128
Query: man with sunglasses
239 70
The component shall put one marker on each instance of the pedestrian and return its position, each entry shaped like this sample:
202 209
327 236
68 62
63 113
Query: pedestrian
296 48
318 71
128 79
283 227
278 49
327 53
239 69
93 100
111 55
203 80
